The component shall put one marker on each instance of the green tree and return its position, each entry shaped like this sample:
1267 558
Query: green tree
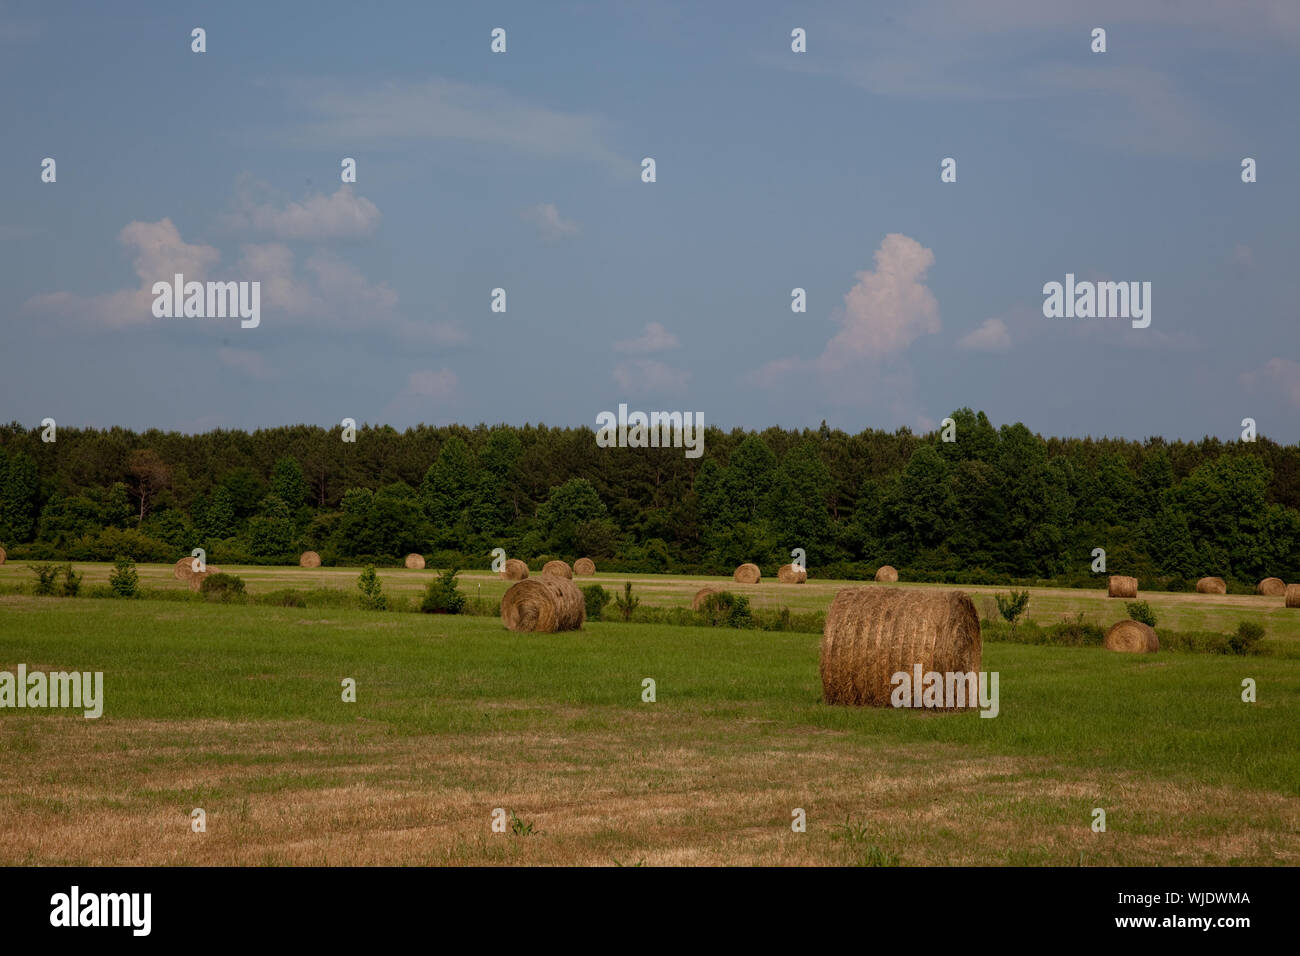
288 482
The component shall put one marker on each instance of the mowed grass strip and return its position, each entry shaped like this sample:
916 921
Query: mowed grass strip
237 709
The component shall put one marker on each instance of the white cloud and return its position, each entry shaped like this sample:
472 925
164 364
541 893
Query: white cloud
344 215
160 253
889 308
551 226
655 338
649 377
991 336
1279 376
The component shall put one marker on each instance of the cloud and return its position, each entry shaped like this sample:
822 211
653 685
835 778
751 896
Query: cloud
439 109
655 338
160 253
1278 376
889 307
991 336
344 215
428 383
648 377
551 226
251 364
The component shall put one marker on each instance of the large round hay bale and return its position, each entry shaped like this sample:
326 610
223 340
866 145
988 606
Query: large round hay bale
309 559
584 567
702 595
515 570
789 574
1121 586
871 634
747 574
415 562
1273 587
560 569
1293 595
1131 637
546 604
183 569
3 556
886 573
1211 586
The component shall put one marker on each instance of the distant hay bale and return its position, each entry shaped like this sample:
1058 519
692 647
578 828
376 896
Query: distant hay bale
1131 637
1273 587
1121 586
1211 586
747 574
558 568
887 574
545 604
871 634
309 559
702 595
415 562
2 556
584 566
1293 595
183 569
789 574
515 570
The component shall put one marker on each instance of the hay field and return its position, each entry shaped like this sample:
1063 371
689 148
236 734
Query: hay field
237 709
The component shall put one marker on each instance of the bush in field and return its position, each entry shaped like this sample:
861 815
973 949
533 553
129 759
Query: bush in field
71 581
597 599
626 603
124 580
1248 635
725 609
372 592
1013 606
441 596
1141 612
46 577
223 587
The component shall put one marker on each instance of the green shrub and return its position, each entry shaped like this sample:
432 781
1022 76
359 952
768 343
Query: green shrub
372 592
597 599
71 581
46 577
222 587
1141 612
724 609
124 580
1013 606
441 596
1248 635
626 604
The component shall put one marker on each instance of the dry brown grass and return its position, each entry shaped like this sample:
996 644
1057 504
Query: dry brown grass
873 633
1131 637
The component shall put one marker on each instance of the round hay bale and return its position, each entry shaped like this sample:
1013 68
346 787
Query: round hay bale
1211 586
415 562
558 568
196 578
584 566
1131 637
702 595
886 573
1293 595
747 574
309 559
546 604
183 569
789 574
871 634
1121 586
1273 587
515 570
2 555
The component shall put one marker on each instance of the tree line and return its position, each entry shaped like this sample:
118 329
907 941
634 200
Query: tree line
997 503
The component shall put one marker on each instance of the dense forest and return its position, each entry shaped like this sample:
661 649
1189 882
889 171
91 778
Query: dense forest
996 504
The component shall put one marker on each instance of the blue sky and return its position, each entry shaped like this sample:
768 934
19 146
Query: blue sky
775 170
